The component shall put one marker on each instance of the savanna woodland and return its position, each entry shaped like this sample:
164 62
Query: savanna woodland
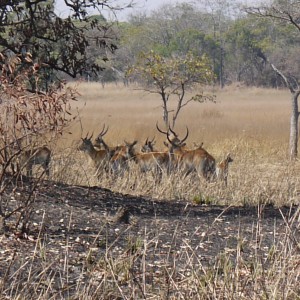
152 157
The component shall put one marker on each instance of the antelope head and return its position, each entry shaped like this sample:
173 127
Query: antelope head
148 146
86 144
175 143
171 135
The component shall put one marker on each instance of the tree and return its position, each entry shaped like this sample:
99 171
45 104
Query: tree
62 45
248 41
286 12
173 77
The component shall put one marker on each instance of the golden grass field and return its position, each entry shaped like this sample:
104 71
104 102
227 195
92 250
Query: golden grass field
80 246
250 123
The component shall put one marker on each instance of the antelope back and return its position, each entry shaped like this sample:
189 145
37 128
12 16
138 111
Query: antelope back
124 153
199 160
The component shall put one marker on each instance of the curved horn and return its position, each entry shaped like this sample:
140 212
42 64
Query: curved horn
103 131
170 129
163 132
186 136
152 141
170 141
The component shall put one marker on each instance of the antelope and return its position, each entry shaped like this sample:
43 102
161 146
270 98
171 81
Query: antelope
148 146
174 138
192 160
97 157
222 168
37 156
119 161
151 160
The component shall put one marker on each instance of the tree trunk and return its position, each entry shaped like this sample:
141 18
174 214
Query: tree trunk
294 126
295 92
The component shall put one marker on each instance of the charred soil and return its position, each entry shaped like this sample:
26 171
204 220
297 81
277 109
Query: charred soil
75 231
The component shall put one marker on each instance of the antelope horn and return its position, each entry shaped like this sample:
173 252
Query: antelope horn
103 131
170 129
186 136
163 132
171 142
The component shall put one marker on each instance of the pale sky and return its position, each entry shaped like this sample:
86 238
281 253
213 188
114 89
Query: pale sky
139 5
145 6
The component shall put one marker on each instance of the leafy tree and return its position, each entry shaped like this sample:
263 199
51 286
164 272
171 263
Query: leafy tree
246 48
172 77
62 45
286 12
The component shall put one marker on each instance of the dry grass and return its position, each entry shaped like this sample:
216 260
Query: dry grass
251 114
250 123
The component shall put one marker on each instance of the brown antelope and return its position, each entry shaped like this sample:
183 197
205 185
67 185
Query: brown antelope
119 161
222 168
149 158
198 159
147 161
153 161
37 156
98 158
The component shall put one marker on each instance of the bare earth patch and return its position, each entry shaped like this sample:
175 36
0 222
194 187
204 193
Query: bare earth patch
91 243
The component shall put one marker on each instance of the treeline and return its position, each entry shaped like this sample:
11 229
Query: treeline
239 46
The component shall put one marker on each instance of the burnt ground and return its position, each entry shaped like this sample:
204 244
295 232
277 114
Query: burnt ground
84 224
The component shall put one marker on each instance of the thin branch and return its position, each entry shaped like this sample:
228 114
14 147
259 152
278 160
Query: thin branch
285 79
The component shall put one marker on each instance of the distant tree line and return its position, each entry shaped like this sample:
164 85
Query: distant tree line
238 46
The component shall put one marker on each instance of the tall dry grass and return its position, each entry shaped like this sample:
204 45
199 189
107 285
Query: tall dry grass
250 123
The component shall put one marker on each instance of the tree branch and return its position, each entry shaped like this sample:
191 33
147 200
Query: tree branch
285 79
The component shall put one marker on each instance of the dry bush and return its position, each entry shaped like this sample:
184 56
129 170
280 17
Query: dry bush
29 119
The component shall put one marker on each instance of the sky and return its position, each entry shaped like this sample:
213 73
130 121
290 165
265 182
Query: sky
145 6
139 6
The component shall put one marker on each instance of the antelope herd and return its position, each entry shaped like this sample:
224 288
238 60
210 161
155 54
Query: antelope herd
175 157
115 160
